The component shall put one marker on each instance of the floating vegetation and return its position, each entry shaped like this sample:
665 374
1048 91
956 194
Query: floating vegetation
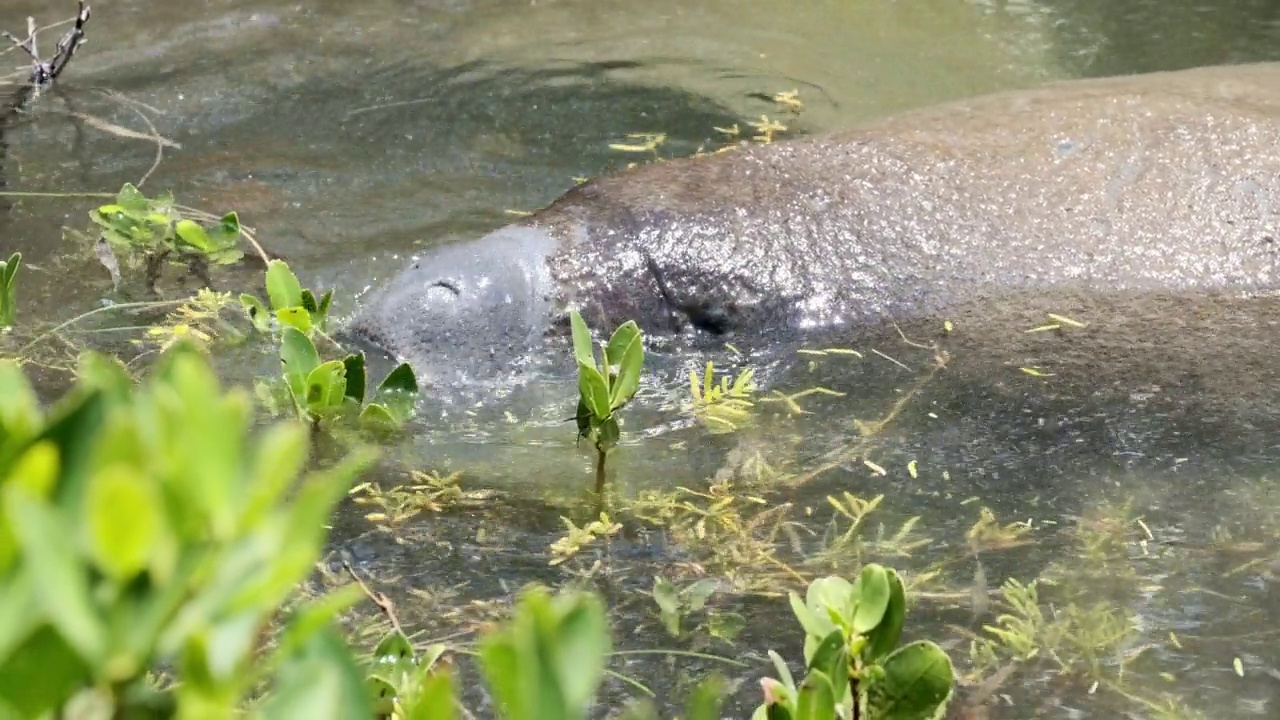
722 407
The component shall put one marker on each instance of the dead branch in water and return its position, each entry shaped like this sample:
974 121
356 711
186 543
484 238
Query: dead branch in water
41 76
44 72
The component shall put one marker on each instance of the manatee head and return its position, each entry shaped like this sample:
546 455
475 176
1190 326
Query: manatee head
466 312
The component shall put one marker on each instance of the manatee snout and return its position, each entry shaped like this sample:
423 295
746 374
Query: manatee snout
465 311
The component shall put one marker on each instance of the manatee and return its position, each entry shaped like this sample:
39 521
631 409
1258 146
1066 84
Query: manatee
1139 185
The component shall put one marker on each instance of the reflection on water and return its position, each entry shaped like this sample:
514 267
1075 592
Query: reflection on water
352 134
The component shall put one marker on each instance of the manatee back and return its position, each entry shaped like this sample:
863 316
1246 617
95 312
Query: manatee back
1164 181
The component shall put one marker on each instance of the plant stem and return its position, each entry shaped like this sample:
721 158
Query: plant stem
600 456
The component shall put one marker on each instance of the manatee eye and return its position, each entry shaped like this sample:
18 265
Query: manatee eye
447 285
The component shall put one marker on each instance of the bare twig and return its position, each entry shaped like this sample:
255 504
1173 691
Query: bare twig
380 599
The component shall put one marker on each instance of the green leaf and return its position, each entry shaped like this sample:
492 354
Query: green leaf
831 596
872 595
256 311
434 699
398 393
355 377
282 286
583 349
322 684
62 583
832 657
814 625
815 701
225 234
326 387
278 459
125 521
42 675
190 233
377 416
625 356
916 684
580 648
594 391
884 638
299 356
295 317
784 673
400 379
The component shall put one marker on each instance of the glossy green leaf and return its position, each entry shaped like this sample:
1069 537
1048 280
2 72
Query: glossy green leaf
299 356
326 387
398 393
814 624
583 348
226 233
377 416
625 355
872 596
832 657
916 684
594 391
355 377
815 700
125 520
884 638
190 233
296 318
401 379
835 596
282 286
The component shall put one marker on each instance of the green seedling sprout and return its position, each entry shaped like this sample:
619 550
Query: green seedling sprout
606 386
854 667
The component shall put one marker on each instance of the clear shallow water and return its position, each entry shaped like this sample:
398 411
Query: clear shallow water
351 134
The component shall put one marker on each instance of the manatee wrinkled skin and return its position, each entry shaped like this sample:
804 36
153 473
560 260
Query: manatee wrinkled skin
1158 183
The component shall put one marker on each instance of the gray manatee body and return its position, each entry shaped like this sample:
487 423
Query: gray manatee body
1159 183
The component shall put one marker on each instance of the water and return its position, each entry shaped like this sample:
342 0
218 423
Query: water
351 134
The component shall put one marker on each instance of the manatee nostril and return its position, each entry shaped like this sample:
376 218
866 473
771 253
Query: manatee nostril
447 285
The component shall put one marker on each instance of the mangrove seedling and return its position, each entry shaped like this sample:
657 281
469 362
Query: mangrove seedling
151 529
156 228
326 389
9 289
291 304
605 388
853 665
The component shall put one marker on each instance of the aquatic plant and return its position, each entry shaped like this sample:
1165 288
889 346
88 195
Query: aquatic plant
725 406
145 527
321 389
605 386
154 229
854 667
9 289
